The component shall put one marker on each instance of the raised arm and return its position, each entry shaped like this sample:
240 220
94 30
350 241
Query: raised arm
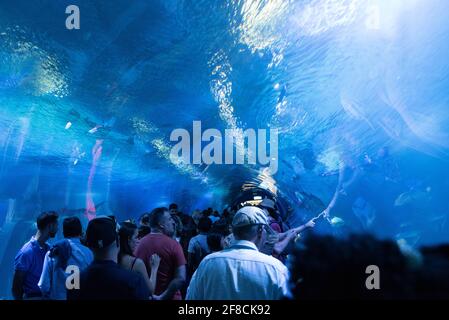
280 246
286 237
150 281
337 192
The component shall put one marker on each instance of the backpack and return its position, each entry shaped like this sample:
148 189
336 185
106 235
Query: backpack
61 252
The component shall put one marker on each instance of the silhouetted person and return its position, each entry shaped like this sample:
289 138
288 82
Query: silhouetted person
29 261
215 241
104 279
189 230
433 276
145 220
142 231
175 214
198 247
331 268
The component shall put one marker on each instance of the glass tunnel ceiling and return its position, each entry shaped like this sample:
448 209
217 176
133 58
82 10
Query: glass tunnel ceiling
90 111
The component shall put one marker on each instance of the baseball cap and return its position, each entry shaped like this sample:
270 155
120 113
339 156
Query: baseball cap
101 232
267 203
249 216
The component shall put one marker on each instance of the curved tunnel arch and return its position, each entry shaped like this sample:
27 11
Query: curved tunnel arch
86 115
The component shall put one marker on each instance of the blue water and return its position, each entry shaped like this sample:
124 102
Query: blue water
361 86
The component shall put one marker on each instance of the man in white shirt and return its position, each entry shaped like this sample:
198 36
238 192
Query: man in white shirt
241 272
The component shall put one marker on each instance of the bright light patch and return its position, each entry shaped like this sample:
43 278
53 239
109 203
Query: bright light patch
330 159
49 80
267 181
372 21
319 16
260 18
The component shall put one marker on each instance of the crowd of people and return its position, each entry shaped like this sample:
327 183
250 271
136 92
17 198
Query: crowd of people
244 254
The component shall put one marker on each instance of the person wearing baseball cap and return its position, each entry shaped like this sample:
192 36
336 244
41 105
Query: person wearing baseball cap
104 279
241 271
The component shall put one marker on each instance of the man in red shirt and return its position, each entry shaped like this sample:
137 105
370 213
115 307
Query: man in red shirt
171 274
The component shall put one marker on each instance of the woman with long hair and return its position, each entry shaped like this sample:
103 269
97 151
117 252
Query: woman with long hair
128 242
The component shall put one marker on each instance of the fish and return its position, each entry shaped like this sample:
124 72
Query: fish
299 196
337 222
95 129
410 197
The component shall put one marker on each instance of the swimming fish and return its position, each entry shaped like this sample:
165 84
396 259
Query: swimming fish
411 196
337 222
94 129
299 196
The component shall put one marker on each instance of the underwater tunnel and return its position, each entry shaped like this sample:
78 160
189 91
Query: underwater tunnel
318 105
